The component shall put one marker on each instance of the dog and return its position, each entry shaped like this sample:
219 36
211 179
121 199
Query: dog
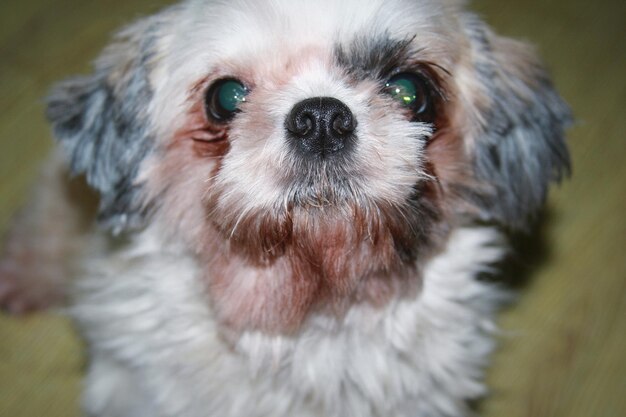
295 202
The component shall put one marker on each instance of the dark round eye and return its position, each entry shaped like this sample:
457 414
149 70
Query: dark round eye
223 98
414 92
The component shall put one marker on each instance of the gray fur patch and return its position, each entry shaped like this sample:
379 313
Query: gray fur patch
373 57
522 148
104 130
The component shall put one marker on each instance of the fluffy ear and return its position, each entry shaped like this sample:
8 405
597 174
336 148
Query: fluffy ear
100 121
519 142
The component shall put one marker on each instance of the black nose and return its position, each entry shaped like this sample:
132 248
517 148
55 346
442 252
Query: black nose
321 126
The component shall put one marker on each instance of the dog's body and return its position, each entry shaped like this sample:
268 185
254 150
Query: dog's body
156 343
296 203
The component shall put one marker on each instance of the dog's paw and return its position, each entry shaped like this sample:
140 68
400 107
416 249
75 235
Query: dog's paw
26 288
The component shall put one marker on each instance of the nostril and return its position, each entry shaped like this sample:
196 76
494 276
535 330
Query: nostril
301 123
308 125
344 124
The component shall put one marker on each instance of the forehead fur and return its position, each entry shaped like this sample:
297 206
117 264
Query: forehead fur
254 28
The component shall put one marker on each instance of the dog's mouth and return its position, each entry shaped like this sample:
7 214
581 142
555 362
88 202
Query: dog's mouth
313 215
326 188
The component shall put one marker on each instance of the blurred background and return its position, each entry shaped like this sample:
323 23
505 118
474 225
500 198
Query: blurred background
563 344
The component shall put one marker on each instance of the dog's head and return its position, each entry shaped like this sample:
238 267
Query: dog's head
312 154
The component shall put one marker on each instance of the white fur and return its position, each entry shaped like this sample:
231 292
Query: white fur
155 345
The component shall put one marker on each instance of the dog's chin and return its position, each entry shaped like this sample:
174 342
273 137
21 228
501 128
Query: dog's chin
323 252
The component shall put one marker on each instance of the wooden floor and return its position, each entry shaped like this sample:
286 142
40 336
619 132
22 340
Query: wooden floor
563 350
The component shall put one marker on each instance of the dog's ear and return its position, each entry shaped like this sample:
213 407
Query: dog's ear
518 142
101 122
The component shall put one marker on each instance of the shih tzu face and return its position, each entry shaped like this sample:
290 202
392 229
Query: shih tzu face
312 155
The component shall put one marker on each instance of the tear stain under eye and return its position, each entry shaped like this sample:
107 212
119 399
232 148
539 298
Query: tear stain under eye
212 148
206 139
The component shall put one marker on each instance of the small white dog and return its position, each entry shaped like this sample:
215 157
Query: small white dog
296 199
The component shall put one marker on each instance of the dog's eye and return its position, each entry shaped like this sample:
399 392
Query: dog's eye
223 98
414 92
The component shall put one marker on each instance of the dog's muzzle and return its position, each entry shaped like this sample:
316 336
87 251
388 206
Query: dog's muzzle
321 127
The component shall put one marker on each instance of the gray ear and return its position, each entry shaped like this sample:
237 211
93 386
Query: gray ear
520 145
101 122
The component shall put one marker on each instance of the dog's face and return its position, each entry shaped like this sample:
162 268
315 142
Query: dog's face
312 154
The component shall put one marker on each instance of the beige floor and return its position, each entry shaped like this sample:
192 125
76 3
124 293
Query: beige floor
564 344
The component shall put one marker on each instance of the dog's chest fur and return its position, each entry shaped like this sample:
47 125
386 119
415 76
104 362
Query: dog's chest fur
155 344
